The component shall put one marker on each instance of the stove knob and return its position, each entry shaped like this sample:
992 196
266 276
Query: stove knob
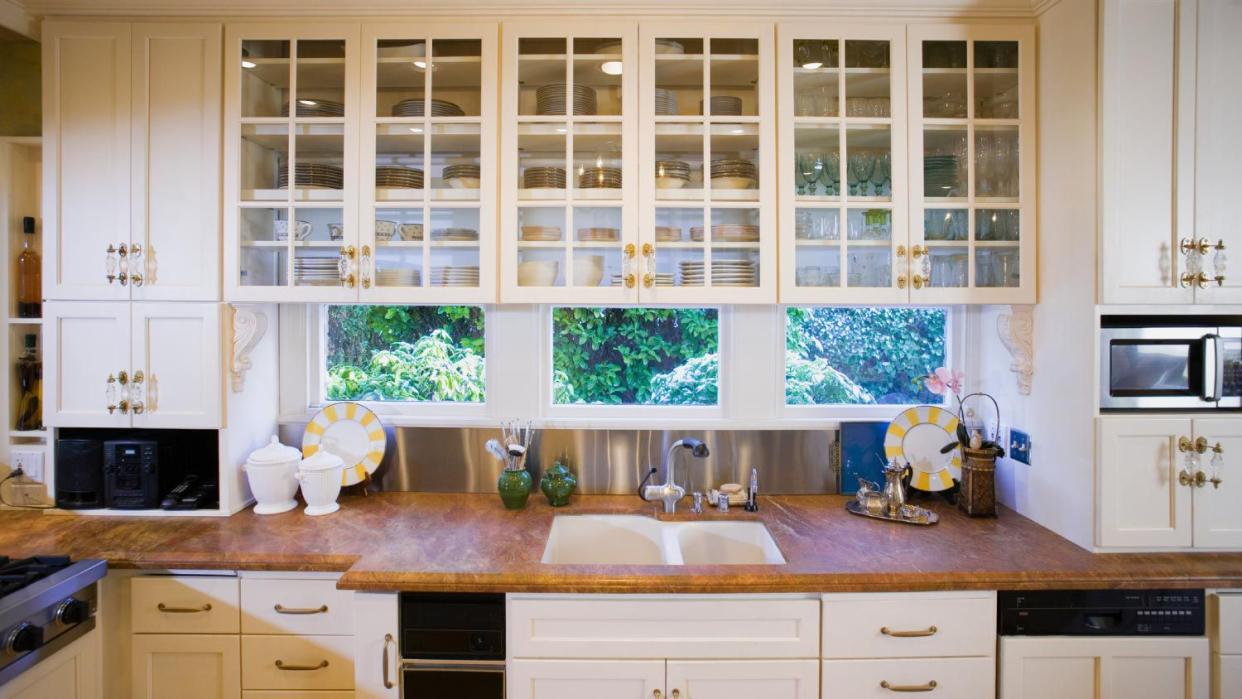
73 611
23 638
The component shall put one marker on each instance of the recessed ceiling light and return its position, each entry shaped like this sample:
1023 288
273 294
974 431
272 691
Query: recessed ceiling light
248 64
812 65
611 67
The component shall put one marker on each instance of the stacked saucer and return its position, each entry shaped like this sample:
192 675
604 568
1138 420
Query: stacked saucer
399 177
462 176
457 234
665 102
667 46
316 108
724 273
418 106
598 235
600 178
724 105
661 279
543 177
672 174
733 174
398 277
313 175
667 234
541 233
939 175
455 276
728 233
316 271
550 100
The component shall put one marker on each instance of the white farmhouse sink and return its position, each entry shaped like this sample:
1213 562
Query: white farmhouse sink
636 540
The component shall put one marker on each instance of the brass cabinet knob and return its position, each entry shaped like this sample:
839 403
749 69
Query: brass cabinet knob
648 280
1193 245
1196 480
901 281
630 251
1198 446
629 281
918 281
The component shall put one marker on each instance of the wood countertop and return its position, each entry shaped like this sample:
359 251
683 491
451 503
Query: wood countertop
423 541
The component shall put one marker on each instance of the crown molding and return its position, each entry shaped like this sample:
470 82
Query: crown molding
14 16
915 9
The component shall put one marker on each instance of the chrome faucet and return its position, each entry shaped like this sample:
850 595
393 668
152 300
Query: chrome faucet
669 493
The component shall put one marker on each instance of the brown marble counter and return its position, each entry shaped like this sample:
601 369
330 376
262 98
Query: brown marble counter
416 541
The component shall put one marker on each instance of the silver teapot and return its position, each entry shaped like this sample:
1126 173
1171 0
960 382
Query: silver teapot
894 490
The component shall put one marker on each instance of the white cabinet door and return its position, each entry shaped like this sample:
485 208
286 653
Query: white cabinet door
575 679
1218 101
70 673
86 74
1218 520
177 347
1103 668
744 679
86 346
186 666
1226 676
377 659
1141 502
175 179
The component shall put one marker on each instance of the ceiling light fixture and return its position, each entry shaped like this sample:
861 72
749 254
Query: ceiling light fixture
611 67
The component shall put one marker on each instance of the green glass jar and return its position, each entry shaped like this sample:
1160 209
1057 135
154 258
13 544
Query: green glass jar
558 484
514 487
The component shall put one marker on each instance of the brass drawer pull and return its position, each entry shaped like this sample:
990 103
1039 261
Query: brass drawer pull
908 687
929 631
321 609
388 684
280 665
183 610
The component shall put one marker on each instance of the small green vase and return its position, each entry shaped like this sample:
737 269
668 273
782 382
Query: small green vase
514 487
558 484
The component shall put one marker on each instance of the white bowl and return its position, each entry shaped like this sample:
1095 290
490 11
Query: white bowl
670 183
733 183
537 272
588 270
463 182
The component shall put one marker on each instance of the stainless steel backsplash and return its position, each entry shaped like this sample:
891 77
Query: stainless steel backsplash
454 460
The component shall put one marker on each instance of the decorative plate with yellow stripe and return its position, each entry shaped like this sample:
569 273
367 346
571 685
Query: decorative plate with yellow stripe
916 436
350 431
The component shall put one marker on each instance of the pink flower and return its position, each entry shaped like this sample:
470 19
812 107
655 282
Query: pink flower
944 381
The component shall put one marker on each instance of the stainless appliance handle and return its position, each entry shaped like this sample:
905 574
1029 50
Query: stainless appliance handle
1213 368
453 665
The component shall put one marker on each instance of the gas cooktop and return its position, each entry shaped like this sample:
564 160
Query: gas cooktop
16 574
46 602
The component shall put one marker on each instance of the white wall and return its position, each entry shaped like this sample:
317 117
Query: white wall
1057 489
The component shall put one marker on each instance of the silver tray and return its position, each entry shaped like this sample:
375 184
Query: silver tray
925 517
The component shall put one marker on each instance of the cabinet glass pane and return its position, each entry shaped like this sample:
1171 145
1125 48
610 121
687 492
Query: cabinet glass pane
818 266
318 162
735 236
944 79
265 77
734 69
734 168
399 172
944 162
867 91
679 238
679 161
996 162
542 245
869 267
869 225
996 224
817 162
597 254
945 224
815 81
455 170
869 164
543 72
317 258
949 266
597 75
454 247
678 76
996 80
264 159
320 78
456 77
597 161
997 266
401 77
541 161
264 234
399 236
817 224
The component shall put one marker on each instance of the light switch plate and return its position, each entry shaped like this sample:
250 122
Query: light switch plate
1019 446
29 461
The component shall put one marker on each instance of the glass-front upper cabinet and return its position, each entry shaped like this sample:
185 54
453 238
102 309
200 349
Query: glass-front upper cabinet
428 186
972 156
568 182
291 150
843 182
708 223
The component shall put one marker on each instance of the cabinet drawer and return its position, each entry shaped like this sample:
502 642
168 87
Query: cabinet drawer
294 694
1227 676
595 626
954 678
1228 622
300 607
331 657
184 604
913 625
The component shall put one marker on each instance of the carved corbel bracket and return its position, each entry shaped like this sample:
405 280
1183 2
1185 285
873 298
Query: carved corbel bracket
249 326
1017 333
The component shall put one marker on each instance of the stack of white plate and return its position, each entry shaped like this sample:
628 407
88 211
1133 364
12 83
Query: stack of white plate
541 233
599 235
661 279
665 102
399 177
733 174
455 276
316 271
550 100
724 105
543 177
728 233
724 273
316 108
672 174
667 234
600 178
316 175
458 234
417 106
463 176
398 277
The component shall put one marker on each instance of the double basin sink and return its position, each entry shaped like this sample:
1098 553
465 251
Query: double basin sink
638 540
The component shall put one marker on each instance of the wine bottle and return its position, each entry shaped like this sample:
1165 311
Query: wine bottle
29 274
29 380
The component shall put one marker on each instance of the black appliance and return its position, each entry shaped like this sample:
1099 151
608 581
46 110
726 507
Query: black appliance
1101 613
46 603
132 474
452 645
1171 363
79 474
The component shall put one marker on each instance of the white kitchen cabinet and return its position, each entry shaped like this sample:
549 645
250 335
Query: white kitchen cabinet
1169 149
1225 634
743 679
186 666
117 364
1156 482
131 195
954 678
377 657
574 679
1103 668
73 672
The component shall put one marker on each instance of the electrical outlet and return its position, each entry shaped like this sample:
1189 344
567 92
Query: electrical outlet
30 462
1019 446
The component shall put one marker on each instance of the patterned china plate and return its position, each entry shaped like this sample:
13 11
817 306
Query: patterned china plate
917 435
350 431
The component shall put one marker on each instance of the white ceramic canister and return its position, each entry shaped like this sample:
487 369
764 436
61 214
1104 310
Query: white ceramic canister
320 475
271 471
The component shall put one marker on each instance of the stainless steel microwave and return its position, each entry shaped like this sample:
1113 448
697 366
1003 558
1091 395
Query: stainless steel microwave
1170 363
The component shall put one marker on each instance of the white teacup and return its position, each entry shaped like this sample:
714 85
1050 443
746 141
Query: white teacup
302 229
385 230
